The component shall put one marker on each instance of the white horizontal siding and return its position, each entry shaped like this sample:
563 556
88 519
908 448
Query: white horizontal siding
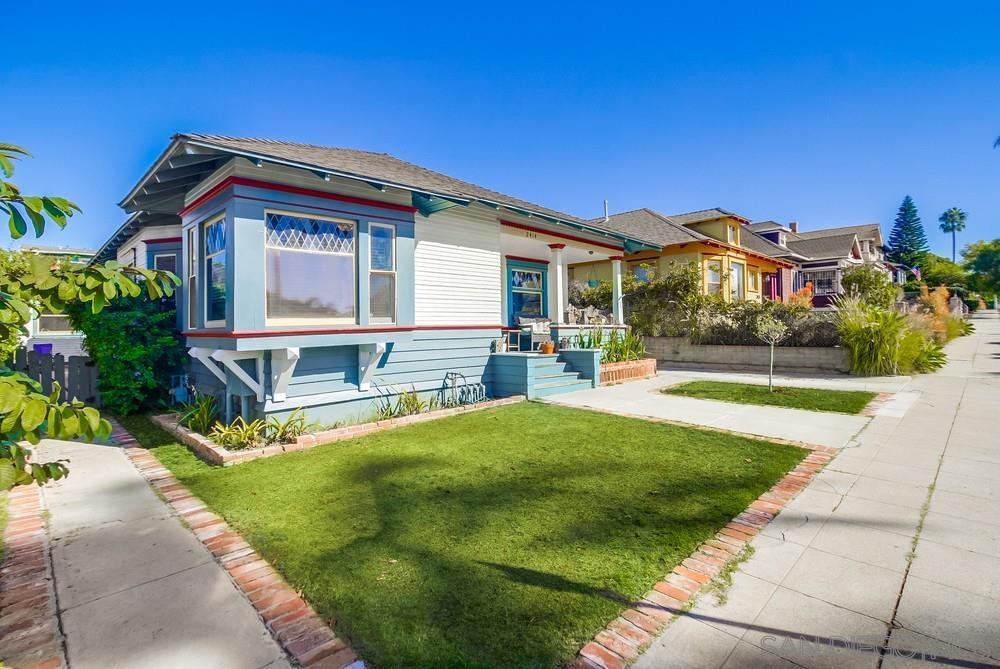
138 242
457 268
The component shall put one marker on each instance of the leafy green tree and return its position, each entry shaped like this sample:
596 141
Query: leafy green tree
940 271
982 259
953 221
26 414
135 343
907 241
870 285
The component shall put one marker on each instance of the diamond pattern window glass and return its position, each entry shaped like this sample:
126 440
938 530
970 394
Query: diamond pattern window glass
215 272
527 293
215 237
310 272
309 234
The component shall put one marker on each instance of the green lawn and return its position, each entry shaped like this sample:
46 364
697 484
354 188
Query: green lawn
501 538
813 399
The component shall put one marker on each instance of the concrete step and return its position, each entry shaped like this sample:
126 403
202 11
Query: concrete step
545 389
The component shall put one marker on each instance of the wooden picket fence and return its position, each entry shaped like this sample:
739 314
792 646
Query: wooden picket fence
77 375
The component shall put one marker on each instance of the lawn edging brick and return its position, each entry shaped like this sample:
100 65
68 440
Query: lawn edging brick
214 454
625 637
30 636
298 629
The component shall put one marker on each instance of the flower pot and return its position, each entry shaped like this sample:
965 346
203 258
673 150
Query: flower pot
548 347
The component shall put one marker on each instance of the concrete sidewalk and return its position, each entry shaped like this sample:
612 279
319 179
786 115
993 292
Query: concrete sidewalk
643 398
135 588
891 557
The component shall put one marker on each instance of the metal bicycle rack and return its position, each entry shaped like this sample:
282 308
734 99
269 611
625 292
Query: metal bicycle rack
459 391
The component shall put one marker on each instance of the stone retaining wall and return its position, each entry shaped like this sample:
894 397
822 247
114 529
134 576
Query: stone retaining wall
679 352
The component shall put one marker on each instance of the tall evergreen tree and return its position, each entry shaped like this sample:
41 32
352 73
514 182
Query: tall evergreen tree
907 241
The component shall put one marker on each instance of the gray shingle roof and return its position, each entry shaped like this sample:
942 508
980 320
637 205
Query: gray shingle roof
366 164
758 244
865 231
763 226
704 215
650 226
819 248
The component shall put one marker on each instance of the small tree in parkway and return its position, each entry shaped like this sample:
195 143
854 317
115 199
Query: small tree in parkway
772 332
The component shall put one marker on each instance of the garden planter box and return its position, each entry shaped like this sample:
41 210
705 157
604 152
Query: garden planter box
630 370
214 454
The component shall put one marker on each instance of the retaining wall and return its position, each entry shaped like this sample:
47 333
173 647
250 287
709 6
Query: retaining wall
679 352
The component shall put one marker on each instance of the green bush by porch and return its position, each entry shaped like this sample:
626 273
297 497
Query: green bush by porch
503 538
812 399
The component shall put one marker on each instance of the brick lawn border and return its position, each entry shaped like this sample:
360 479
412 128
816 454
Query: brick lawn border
299 630
879 401
621 642
214 454
30 637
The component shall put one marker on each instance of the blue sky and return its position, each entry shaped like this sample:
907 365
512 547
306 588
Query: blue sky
824 115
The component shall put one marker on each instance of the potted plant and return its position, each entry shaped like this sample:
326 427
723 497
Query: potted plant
548 347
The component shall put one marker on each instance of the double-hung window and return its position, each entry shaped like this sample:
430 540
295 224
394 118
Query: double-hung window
713 277
527 293
192 277
310 275
382 273
215 272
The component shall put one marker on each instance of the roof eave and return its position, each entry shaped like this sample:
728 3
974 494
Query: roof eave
180 139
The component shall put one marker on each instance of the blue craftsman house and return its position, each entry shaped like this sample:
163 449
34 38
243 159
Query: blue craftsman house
324 278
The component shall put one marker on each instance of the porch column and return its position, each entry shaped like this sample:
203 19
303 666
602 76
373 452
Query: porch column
616 290
559 289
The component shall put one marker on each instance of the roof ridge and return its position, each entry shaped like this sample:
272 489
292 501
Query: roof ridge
279 142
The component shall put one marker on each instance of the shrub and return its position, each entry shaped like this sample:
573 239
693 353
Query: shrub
621 348
137 348
277 431
12 264
870 286
199 415
872 336
239 434
737 323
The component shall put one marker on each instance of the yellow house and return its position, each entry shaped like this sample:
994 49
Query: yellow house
734 261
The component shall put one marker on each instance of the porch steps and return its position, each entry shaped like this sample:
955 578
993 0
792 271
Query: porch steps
544 389
555 377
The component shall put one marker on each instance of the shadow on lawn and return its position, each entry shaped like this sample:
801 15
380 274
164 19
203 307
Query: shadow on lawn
510 568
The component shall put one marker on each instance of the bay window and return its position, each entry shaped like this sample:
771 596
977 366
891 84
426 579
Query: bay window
382 273
310 270
215 272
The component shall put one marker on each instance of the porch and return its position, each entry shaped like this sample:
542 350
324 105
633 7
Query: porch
534 265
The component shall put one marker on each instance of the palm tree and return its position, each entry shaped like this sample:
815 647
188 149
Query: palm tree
953 221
